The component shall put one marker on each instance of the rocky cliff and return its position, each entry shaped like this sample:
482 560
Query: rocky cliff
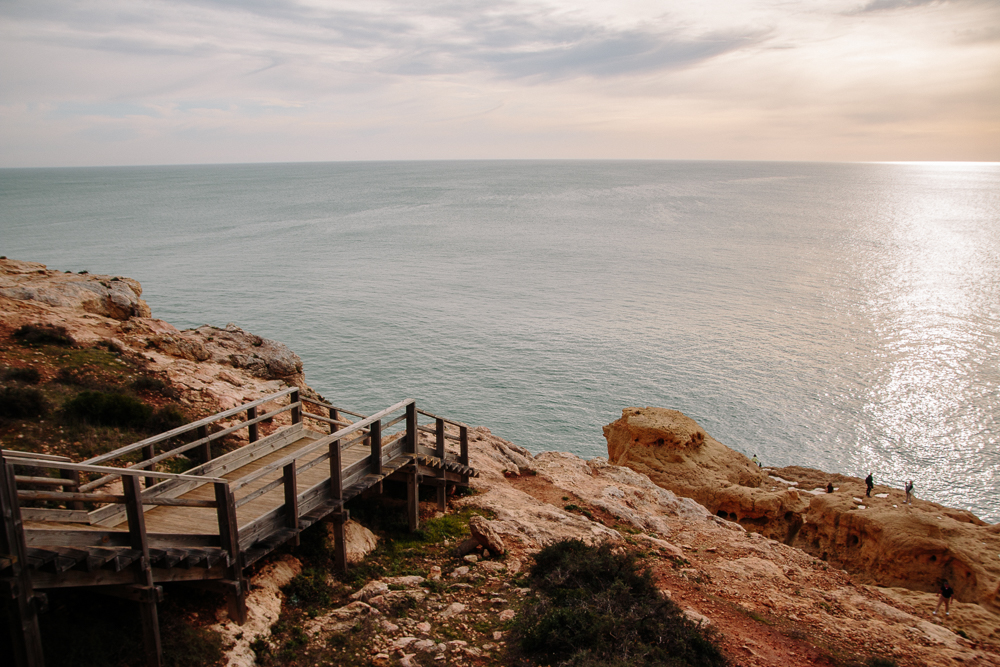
754 553
879 539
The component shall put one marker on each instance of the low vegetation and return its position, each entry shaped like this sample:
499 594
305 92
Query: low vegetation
593 607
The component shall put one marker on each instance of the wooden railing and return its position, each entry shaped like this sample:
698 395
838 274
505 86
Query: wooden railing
384 443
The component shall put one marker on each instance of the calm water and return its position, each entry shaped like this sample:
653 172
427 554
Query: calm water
840 316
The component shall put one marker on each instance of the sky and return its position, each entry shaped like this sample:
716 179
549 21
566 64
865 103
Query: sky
125 82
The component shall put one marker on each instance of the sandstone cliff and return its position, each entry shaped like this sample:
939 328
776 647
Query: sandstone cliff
879 539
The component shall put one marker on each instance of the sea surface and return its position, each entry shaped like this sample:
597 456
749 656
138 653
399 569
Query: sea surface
839 316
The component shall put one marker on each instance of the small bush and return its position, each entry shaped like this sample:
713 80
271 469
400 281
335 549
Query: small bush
107 409
147 383
596 608
44 334
165 419
26 375
881 662
309 589
22 403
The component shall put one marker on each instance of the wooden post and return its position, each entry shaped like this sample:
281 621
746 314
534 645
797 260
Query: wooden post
204 451
143 570
149 452
442 489
291 498
229 536
411 428
73 475
339 545
463 456
26 637
375 434
413 499
336 463
253 433
297 410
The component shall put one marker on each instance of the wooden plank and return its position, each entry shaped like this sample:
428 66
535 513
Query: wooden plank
80 579
61 516
206 473
103 538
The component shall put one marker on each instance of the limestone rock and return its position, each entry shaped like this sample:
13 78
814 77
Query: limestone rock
110 296
484 533
885 543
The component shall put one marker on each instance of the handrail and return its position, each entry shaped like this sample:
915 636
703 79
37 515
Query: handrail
321 442
128 449
93 484
446 421
128 472
327 405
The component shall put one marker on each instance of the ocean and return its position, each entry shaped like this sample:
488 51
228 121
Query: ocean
837 316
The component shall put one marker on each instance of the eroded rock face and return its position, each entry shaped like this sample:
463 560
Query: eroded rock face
677 454
212 368
110 296
883 541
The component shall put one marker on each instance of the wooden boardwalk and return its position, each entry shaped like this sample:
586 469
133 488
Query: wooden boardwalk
121 525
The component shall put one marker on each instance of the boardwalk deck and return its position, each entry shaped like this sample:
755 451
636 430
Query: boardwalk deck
210 523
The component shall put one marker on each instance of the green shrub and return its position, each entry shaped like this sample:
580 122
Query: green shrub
149 383
44 334
166 418
22 403
107 409
26 375
881 662
309 589
594 607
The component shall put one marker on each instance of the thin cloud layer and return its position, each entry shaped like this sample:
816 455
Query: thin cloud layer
149 81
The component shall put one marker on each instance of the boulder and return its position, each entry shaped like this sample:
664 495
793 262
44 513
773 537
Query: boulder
484 533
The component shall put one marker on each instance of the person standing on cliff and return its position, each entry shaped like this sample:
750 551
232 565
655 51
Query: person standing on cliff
944 595
870 483
909 492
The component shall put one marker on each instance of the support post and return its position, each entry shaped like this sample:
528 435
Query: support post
253 433
204 451
339 545
375 434
291 499
442 489
26 637
73 475
411 428
336 463
463 456
413 499
297 410
149 452
229 537
143 570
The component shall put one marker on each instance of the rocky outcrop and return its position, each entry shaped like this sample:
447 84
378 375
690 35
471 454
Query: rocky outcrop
212 368
677 454
880 539
109 296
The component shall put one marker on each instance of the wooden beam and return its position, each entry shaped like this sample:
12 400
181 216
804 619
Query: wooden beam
26 637
143 571
229 535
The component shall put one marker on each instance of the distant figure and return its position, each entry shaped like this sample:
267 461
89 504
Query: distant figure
870 483
909 492
944 595
829 487
756 460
